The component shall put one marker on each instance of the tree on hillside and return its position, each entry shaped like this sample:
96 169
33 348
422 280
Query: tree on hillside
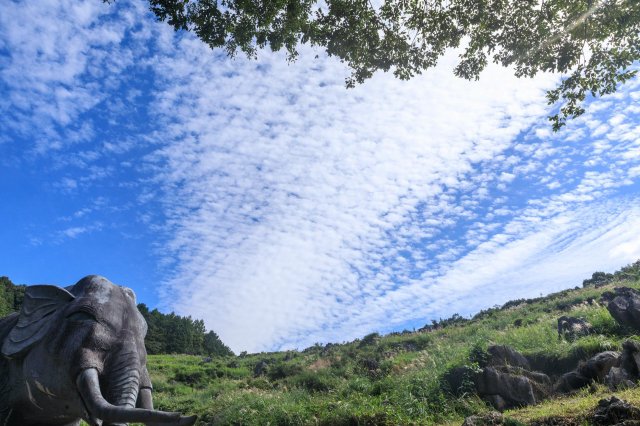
593 43
171 333
213 346
11 296
6 298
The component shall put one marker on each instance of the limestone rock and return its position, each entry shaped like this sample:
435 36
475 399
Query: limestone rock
618 378
624 306
626 372
614 411
507 387
506 355
460 380
594 369
572 328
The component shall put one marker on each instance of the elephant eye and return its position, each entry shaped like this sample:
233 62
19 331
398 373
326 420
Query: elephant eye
81 316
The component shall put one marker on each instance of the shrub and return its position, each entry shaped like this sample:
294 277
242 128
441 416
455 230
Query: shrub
193 377
320 381
459 381
281 370
598 279
478 355
370 339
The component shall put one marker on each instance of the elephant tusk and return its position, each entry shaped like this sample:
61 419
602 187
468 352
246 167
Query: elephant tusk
89 387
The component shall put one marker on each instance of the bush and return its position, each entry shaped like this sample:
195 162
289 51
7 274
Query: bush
190 377
320 381
598 279
281 370
478 355
370 339
459 381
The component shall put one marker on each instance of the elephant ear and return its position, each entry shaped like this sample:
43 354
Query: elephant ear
40 302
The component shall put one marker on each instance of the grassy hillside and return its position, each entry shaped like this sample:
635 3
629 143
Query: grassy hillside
398 378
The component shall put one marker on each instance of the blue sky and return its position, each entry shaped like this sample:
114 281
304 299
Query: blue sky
282 208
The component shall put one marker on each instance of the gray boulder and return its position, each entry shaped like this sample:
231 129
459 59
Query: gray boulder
508 387
626 372
615 411
624 306
594 369
618 378
505 355
571 328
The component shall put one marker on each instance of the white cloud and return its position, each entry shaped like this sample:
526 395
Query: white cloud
302 212
66 57
298 211
76 231
293 187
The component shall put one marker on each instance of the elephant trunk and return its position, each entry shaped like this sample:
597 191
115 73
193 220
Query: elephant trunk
99 409
123 381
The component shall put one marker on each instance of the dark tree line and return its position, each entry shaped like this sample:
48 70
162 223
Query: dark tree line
168 333
171 333
11 296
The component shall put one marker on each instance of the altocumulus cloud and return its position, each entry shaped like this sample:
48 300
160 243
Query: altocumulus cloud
296 211
300 212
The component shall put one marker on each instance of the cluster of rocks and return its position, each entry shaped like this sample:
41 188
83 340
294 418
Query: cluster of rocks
609 412
506 379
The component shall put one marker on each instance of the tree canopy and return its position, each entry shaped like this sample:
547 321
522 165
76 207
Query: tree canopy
167 333
592 43
171 333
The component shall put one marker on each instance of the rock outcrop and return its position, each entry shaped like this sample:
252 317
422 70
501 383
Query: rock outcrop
571 328
615 411
508 387
506 382
624 306
626 372
500 355
594 369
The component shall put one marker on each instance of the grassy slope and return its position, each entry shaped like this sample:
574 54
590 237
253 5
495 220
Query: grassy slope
394 379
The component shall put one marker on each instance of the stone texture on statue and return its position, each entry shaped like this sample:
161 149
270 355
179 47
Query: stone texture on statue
77 353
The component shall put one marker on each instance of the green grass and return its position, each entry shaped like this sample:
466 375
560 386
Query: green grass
574 408
388 380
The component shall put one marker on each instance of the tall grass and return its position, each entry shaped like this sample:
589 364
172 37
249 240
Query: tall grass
379 380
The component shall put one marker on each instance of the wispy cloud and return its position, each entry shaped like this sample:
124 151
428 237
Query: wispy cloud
297 206
301 212
292 210
76 231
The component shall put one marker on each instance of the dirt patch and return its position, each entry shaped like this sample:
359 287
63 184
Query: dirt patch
320 364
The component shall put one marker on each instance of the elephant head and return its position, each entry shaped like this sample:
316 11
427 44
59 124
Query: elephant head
78 352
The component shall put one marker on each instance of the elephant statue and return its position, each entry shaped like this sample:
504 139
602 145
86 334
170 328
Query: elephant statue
77 353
